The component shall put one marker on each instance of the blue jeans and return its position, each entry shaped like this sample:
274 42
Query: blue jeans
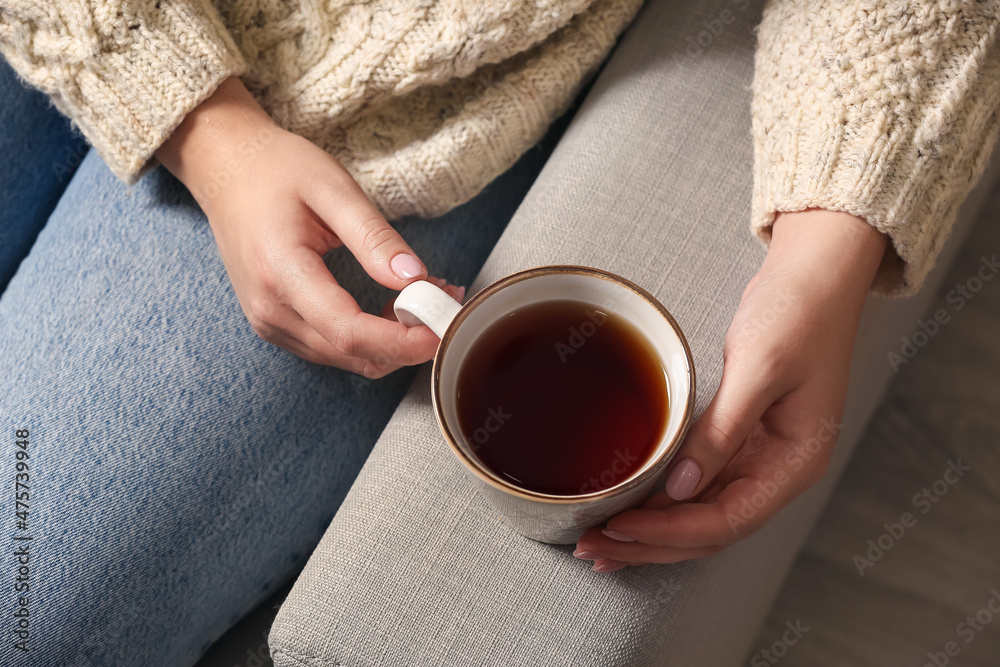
176 468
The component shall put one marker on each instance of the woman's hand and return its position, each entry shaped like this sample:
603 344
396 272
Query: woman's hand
276 204
768 433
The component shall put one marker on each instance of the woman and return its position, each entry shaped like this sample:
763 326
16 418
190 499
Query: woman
192 419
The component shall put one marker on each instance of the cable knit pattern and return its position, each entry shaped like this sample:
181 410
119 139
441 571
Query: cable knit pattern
886 110
425 102
471 129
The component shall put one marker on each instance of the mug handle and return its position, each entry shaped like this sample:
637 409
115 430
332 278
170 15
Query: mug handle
425 303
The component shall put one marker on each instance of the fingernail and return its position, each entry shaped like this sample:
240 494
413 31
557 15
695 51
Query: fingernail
683 479
587 555
406 266
461 294
608 567
615 535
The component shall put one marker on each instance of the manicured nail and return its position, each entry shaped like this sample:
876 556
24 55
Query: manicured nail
406 266
587 555
608 567
683 479
615 535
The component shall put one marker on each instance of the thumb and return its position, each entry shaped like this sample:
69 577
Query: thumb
719 433
383 253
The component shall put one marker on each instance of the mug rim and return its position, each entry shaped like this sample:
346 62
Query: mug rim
526 274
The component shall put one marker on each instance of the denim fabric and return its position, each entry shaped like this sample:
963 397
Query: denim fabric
38 154
181 469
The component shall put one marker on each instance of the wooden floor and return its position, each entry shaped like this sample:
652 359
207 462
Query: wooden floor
944 405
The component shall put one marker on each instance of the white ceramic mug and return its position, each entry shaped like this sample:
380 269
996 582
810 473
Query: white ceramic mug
555 519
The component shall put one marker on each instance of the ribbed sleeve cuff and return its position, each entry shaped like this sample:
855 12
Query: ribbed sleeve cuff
152 71
888 115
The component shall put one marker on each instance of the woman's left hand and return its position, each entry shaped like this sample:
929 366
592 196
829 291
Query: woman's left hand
768 433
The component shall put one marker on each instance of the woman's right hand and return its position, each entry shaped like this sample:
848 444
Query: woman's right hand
277 203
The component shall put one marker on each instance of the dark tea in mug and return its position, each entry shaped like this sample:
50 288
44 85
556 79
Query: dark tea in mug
563 398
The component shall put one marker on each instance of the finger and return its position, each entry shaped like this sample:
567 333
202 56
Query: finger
297 336
343 206
685 526
303 341
742 508
292 344
779 473
608 565
336 316
662 501
720 432
598 547
319 350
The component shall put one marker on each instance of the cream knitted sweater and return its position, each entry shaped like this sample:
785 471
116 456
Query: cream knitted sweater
885 109
423 101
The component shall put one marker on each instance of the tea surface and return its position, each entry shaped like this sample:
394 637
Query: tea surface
563 398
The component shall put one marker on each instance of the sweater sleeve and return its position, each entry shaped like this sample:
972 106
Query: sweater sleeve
883 109
125 71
